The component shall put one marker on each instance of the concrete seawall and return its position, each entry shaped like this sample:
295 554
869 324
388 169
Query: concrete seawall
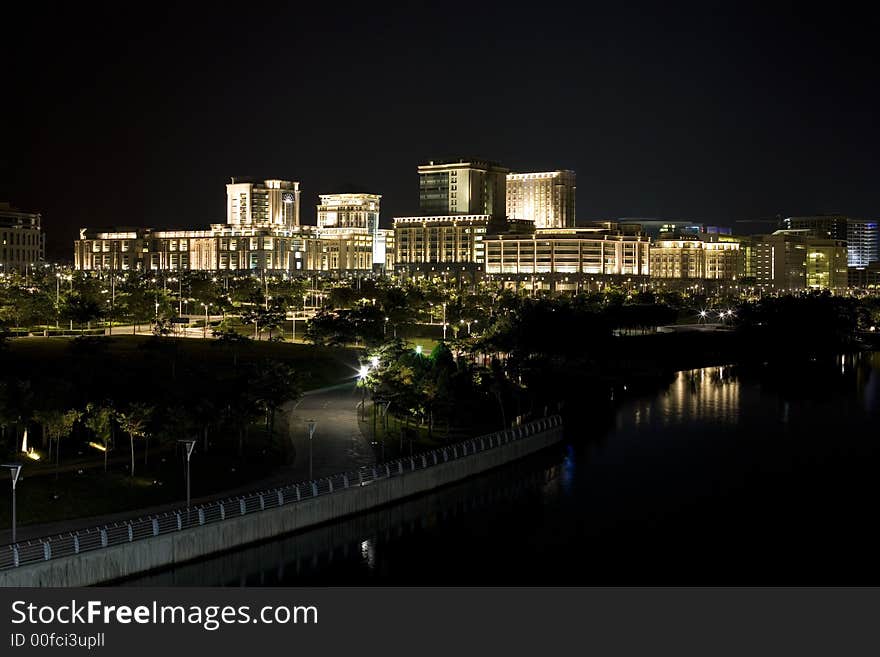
123 560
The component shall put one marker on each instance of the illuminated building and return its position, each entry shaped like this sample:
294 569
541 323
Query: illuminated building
270 203
688 256
444 242
567 252
22 243
795 260
262 233
547 199
862 242
349 211
347 219
466 187
826 264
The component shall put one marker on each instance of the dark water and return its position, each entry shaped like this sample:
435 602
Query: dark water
723 475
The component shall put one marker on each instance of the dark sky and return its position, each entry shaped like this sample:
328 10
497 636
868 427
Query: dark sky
137 113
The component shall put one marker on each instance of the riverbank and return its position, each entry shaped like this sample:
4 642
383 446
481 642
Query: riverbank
141 545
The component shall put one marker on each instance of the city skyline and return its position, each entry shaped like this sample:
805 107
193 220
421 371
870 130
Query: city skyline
661 115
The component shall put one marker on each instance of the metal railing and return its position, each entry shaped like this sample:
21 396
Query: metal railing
97 538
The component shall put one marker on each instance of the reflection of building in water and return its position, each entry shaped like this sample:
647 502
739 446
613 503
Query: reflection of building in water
710 393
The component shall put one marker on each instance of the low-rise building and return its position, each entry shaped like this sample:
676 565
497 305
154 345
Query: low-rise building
572 252
695 256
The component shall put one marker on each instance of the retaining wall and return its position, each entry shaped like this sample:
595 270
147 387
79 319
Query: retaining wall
175 547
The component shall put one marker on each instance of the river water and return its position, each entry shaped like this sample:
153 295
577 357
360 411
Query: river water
721 475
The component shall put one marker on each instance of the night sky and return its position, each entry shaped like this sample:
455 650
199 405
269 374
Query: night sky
118 115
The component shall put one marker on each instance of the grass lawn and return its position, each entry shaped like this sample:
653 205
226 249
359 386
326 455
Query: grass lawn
318 366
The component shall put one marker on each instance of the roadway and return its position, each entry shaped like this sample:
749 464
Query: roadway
338 443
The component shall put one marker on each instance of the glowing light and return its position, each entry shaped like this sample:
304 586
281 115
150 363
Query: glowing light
363 372
374 361
97 446
419 349
33 455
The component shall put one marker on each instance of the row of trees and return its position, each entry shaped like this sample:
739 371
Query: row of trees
93 394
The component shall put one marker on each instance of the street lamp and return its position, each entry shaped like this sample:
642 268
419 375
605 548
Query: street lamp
189 444
419 349
311 424
205 332
14 471
362 379
374 361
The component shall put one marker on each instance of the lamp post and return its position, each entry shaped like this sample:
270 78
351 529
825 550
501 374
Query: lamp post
205 331
189 444
311 424
14 471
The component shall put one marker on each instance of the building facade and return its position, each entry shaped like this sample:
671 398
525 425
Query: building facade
269 203
547 199
574 252
792 260
452 241
466 187
830 226
22 243
262 233
862 242
701 256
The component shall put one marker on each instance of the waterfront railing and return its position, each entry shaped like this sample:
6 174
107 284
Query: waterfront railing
144 527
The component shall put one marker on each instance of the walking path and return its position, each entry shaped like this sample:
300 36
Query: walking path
338 445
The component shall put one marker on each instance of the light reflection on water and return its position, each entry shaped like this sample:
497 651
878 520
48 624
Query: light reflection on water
725 474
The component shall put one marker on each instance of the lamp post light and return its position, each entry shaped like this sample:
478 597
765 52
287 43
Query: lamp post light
14 472
311 424
189 444
362 379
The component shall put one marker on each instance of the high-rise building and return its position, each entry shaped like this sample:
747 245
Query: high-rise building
467 187
22 243
829 226
862 242
546 198
270 203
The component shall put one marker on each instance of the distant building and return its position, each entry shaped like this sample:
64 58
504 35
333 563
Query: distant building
352 215
657 228
269 203
795 260
867 278
696 257
262 233
22 243
831 226
466 187
862 242
567 252
358 211
547 199
447 243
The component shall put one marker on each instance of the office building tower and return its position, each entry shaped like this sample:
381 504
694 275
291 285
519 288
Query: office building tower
466 187
272 203
547 199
